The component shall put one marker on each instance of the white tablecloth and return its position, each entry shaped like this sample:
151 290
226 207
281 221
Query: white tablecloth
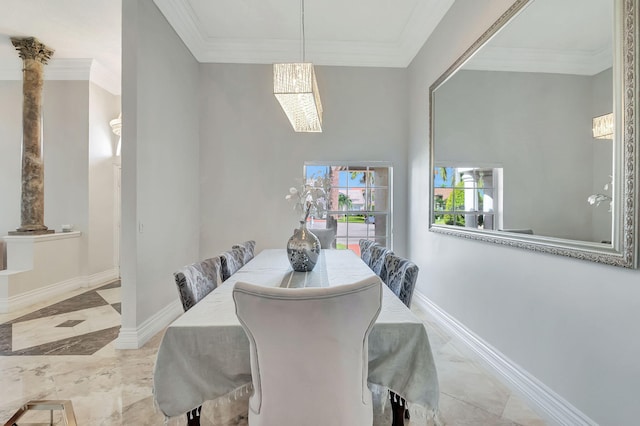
204 354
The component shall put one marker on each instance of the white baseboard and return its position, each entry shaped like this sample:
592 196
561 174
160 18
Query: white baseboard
135 338
543 400
28 298
23 300
103 277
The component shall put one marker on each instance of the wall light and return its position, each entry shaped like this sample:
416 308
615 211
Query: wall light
116 126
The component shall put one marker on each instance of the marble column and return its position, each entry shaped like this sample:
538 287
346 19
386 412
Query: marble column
34 56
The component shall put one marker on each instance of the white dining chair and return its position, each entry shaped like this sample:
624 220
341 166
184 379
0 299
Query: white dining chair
309 352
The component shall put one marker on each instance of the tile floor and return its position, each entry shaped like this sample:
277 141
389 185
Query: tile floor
64 350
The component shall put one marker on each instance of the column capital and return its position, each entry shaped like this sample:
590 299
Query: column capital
32 48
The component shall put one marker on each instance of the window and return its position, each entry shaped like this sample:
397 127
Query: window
358 203
470 197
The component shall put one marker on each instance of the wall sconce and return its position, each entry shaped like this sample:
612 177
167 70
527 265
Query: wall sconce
116 126
603 126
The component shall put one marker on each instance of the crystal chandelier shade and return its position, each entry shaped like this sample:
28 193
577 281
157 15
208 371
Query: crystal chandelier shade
603 126
295 87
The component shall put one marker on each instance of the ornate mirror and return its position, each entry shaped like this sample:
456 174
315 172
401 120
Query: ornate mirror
533 132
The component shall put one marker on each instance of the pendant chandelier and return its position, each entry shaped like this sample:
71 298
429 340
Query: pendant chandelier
295 87
603 126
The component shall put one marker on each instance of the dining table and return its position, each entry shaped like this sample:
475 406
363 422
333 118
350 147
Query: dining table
204 353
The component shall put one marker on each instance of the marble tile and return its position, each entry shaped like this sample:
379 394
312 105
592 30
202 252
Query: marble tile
114 387
24 381
69 323
520 413
84 344
459 413
40 331
111 295
86 300
114 284
117 307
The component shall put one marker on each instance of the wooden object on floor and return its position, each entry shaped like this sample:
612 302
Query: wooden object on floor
68 416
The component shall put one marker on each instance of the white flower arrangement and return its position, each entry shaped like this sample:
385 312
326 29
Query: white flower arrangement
309 199
599 198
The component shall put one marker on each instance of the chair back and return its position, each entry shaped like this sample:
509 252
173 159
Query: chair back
365 250
401 276
197 280
248 249
327 237
376 261
309 352
231 260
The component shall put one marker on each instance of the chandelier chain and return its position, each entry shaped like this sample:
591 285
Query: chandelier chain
302 25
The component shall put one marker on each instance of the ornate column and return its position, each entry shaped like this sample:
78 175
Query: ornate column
34 56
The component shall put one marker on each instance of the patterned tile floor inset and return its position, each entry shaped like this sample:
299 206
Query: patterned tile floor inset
79 325
79 362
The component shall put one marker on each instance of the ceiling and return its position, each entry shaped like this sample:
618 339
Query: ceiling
379 33
567 37
86 34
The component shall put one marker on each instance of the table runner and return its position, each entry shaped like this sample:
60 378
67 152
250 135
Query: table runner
204 354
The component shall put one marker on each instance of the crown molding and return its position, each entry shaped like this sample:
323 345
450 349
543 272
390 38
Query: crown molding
68 69
423 21
492 58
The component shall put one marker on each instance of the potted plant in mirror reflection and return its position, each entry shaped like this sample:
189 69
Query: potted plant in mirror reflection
599 198
303 248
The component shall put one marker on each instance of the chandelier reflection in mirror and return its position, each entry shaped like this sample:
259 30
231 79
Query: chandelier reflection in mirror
603 126
295 87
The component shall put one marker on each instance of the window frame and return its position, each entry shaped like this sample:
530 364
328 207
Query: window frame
388 212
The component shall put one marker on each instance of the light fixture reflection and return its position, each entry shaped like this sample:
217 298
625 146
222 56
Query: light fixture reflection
603 126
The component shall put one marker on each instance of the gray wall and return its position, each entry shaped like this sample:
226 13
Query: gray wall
538 128
602 155
65 153
160 148
250 155
570 323
103 107
75 150
10 154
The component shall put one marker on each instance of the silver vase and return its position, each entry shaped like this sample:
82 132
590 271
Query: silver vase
303 249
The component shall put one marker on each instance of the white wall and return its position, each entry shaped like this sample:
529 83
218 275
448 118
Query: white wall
250 155
103 107
570 323
160 147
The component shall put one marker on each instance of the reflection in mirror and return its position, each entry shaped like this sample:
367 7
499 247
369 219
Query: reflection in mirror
468 196
535 100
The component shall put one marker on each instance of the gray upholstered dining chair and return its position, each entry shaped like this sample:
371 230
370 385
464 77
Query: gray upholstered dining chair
194 282
231 260
309 352
197 280
377 259
248 249
327 237
365 250
401 276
